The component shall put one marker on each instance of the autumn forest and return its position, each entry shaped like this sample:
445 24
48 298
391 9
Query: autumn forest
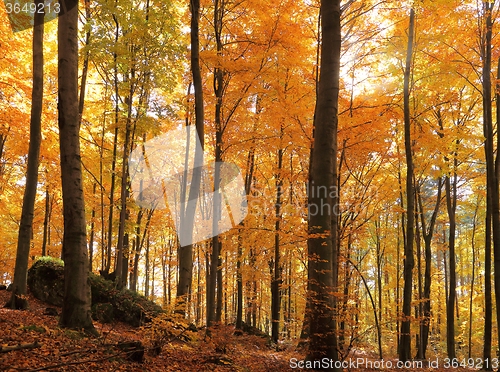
362 137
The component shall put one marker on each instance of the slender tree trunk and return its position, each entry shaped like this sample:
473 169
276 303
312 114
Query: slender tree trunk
220 288
379 258
122 246
495 172
492 210
46 220
115 150
473 274
92 232
219 11
76 306
418 287
19 288
427 232
146 269
186 252
322 247
276 270
451 202
405 338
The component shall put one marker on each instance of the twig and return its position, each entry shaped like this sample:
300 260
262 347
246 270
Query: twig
6 349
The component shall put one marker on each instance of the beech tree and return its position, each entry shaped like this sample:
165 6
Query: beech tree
322 243
19 286
405 338
251 91
76 306
187 219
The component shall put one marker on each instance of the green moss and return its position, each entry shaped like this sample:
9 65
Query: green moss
33 327
48 259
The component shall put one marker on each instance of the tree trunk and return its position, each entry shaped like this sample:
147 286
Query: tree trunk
405 338
473 274
220 288
76 306
186 252
46 220
18 300
451 205
322 245
115 151
122 246
276 270
492 168
427 232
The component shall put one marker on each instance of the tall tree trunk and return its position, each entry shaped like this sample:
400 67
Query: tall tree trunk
18 299
219 10
492 168
115 151
186 252
322 245
122 246
405 338
76 306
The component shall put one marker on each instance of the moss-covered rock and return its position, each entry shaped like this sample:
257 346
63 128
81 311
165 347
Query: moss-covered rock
46 282
128 307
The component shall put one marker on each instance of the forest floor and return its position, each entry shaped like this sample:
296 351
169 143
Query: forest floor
56 349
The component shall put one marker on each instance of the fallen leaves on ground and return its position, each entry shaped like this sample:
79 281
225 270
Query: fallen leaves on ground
47 347
68 350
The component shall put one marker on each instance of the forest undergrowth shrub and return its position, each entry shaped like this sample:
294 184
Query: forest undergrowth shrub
166 328
222 337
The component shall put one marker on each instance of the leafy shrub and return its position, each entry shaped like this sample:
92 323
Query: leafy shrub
103 312
166 328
